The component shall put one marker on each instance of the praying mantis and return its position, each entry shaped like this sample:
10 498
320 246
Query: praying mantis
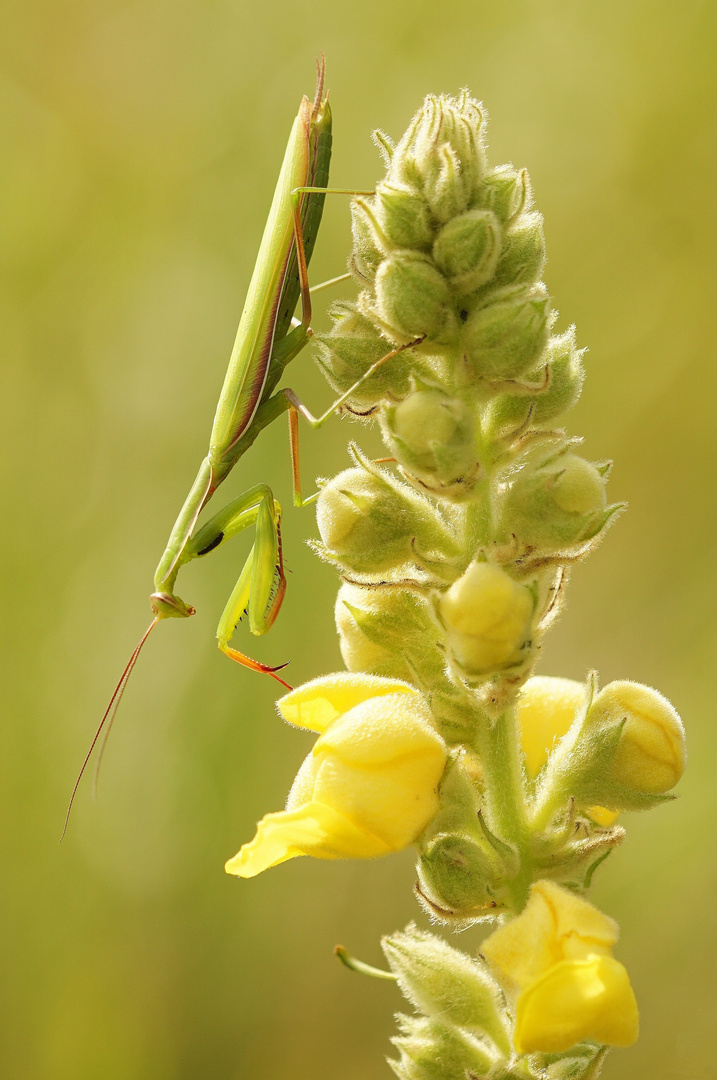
267 339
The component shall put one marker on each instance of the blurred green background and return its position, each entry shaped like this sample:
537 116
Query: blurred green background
139 146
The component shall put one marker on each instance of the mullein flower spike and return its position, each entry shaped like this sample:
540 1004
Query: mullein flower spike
368 787
455 552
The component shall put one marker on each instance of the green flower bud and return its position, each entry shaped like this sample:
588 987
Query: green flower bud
458 876
442 154
487 618
386 631
363 522
446 190
466 250
413 298
403 216
506 337
370 245
523 257
350 348
586 1067
506 192
507 413
433 437
445 984
370 523
555 504
431 1050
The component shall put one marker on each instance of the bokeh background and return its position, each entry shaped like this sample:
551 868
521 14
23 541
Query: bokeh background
139 145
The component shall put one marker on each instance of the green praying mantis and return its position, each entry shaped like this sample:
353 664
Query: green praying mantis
267 339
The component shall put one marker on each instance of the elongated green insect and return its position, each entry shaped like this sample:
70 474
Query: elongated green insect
265 343
268 338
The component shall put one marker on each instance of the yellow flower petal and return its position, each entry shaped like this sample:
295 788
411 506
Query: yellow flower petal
555 925
546 709
369 786
580 927
302 790
576 1000
603 817
381 730
316 704
313 829
650 756
380 765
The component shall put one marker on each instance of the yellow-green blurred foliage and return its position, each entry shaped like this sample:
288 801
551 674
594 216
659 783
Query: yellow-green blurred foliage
139 146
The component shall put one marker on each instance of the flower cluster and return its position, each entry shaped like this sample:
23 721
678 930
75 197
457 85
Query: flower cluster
454 552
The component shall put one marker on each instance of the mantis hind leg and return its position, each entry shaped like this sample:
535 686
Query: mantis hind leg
259 591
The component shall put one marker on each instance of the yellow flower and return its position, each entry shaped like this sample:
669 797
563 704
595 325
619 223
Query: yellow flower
487 616
546 708
370 784
650 756
555 963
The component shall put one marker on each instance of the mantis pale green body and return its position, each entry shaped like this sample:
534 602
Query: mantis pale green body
265 343
268 338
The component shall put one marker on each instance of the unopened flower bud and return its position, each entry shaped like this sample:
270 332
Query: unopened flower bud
467 249
386 631
370 245
523 256
358 651
458 876
348 351
625 753
445 188
372 523
433 437
547 709
363 522
442 153
509 412
487 616
443 983
404 217
506 191
505 338
650 755
556 503
432 1050
413 299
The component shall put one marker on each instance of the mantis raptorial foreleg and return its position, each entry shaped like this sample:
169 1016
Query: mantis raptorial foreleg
260 588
